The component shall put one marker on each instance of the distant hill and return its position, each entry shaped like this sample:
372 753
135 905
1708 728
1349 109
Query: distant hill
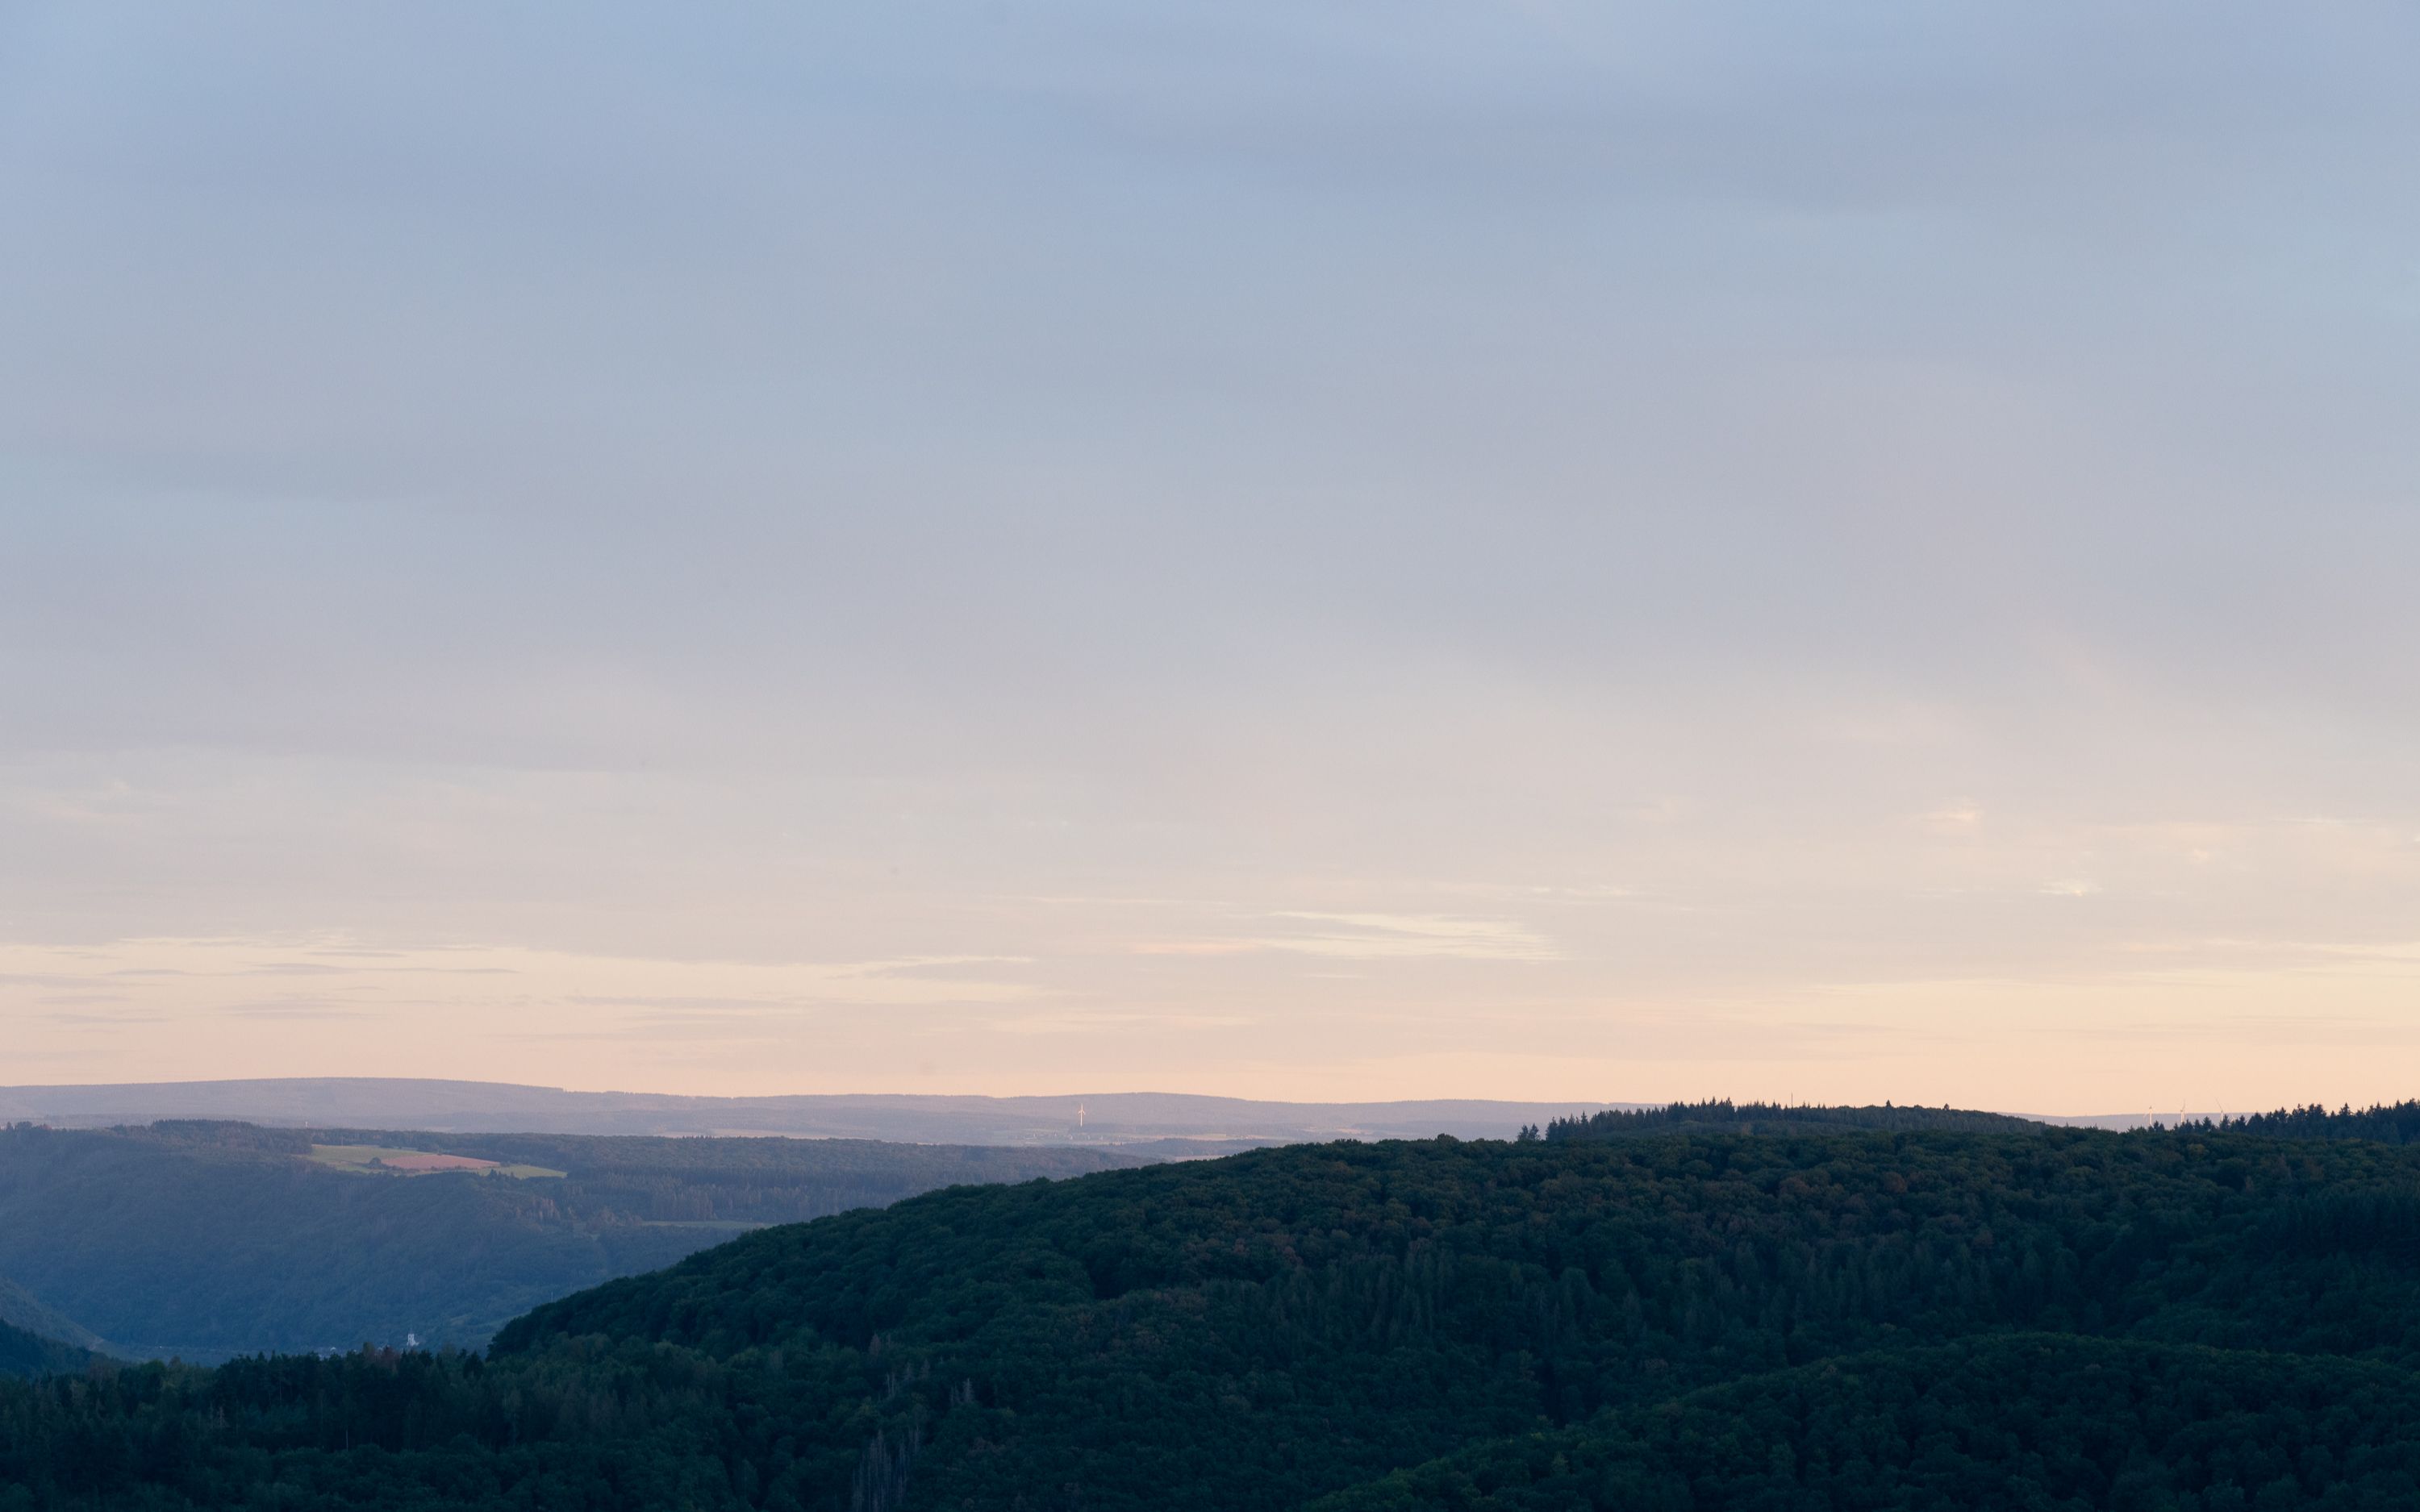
1105 1118
1722 1116
205 1239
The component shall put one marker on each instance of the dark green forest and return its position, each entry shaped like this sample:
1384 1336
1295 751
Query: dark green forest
2005 1423
207 1240
2389 1123
2052 1319
1722 1116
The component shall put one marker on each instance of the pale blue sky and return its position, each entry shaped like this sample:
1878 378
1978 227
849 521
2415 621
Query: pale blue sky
1331 549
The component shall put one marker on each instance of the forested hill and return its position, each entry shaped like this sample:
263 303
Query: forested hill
208 1240
1722 1116
1250 1335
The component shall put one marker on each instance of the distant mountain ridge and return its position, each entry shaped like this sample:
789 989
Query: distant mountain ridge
502 1108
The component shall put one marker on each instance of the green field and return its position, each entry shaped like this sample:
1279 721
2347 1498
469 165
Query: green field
380 1160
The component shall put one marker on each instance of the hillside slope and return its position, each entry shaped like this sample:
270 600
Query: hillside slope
208 1240
21 1309
1250 1328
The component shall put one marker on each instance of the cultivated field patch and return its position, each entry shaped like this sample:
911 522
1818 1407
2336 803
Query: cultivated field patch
380 1160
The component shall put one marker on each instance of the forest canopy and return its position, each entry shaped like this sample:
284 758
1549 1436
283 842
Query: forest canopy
1722 1116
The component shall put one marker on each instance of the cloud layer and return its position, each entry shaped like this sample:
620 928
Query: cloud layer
1529 550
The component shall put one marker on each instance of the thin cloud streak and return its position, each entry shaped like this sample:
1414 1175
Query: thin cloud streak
1376 937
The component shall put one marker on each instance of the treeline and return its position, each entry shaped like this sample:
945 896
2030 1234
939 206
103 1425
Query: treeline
1723 1116
2397 1123
208 1239
1251 1333
2389 1123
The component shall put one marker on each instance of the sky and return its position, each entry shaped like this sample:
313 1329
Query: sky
1317 551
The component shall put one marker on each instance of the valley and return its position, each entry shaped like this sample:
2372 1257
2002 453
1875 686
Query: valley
204 1241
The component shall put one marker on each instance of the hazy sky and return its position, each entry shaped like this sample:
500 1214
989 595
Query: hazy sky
1288 549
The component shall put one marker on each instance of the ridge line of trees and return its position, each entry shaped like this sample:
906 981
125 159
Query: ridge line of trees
1721 1115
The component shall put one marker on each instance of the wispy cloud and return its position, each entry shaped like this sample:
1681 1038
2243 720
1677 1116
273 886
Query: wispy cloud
205 979
1373 937
1956 819
1083 1021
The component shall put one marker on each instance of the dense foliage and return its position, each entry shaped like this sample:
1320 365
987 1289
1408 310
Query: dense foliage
1259 1332
2005 1424
1722 1116
205 1239
2395 1123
